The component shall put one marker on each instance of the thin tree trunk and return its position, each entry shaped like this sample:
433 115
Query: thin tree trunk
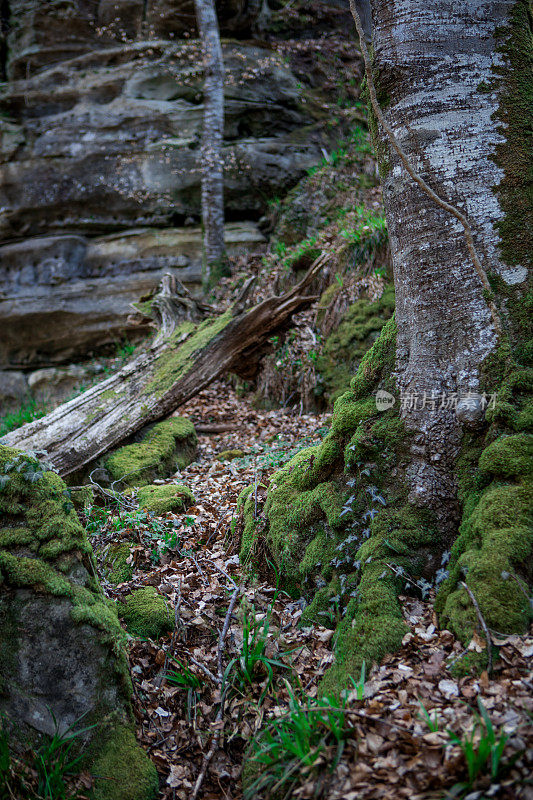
212 162
181 362
429 62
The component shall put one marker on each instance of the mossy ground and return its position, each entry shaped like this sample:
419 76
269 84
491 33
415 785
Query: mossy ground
115 566
146 614
230 455
167 446
160 499
122 769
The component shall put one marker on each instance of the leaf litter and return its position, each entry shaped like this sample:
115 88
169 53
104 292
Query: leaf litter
392 751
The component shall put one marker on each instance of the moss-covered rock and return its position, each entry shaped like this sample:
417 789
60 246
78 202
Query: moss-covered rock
164 448
346 345
115 567
122 771
52 606
170 497
230 455
82 496
146 614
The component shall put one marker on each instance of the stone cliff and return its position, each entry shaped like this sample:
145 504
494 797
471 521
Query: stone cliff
100 130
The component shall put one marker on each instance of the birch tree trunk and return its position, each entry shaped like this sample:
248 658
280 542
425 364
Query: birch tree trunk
212 162
436 69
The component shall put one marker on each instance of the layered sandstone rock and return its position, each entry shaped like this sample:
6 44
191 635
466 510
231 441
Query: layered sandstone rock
100 159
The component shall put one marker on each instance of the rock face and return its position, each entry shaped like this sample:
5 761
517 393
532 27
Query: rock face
65 295
100 158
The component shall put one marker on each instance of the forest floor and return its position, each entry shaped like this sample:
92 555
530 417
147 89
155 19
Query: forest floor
408 728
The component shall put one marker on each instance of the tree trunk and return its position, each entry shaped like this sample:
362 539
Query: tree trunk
182 361
212 166
430 63
417 484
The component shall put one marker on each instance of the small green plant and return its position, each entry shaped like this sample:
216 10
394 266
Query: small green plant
46 769
289 749
253 664
124 350
482 750
360 685
184 677
280 249
432 720
27 412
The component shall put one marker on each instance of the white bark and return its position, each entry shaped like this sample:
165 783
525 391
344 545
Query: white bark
212 161
430 60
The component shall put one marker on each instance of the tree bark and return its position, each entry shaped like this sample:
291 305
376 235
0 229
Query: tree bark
178 365
429 63
213 134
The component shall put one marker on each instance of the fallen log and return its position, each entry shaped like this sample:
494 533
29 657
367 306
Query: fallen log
183 359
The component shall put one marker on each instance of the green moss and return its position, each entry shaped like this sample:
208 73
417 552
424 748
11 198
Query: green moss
145 614
513 154
509 455
326 299
338 512
10 537
230 455
160 499
167 446
472 663
324 605
379 360
492 554
82 497
184 344
115 566
379 145
45 550
245 508
345 347
122 770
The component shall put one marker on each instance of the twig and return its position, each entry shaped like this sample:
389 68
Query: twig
208 672
255 490
198 567
207 759
159 679
216 428
225 575
483 625
224 631
220 713
461 655
418 179
219 523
